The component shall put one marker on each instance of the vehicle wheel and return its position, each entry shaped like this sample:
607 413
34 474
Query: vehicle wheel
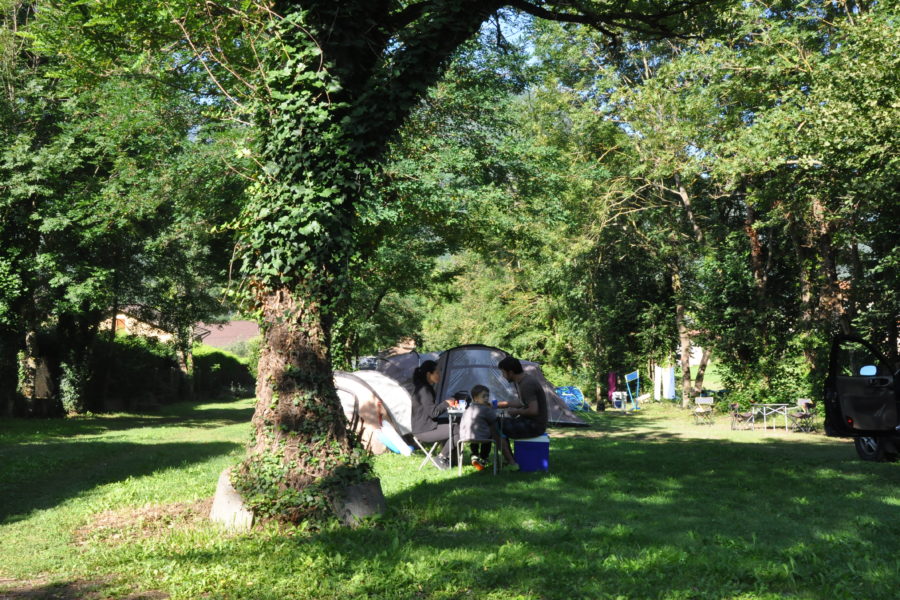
874 449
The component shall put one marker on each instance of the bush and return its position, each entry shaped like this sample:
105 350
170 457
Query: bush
248 352
133 372
217 372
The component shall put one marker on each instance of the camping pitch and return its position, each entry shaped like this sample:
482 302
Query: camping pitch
382 399
464 367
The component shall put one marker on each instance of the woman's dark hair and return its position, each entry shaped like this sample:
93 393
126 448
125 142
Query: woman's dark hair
510 363
420 373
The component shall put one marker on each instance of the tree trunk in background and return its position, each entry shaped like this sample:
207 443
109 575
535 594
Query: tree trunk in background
77 332
183 342
28 366
893 339
684 344
9 373
822 302
685 197
807 295
684 339
757 256
599 391
701 372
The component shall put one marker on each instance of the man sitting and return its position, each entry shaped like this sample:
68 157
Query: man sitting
529 418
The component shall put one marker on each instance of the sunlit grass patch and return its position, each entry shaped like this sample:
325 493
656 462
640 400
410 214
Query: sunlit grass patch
636 506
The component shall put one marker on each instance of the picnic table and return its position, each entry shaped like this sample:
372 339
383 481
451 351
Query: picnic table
767 409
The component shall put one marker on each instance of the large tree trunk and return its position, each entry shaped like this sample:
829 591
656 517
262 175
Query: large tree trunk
298 419
336 100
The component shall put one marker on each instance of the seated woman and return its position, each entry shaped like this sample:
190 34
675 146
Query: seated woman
425 410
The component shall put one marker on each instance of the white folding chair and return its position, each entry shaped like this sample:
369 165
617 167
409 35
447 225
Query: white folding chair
703 413
429 452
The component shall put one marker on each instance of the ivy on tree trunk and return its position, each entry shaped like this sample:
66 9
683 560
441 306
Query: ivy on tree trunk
335 96
339 79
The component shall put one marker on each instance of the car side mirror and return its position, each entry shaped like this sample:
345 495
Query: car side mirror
868 371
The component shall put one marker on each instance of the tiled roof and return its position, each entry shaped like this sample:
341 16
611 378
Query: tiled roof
222 335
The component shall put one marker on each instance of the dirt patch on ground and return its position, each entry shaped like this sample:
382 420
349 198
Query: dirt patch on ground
119 526
112 527
11 589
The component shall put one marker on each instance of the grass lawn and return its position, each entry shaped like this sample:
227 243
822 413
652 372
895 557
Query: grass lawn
644 505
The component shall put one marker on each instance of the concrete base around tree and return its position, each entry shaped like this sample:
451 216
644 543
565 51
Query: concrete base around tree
228 507
360 501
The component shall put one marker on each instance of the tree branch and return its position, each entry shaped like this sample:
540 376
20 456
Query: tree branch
652 23
408 15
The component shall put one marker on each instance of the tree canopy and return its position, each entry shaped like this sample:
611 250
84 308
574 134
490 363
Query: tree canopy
596 185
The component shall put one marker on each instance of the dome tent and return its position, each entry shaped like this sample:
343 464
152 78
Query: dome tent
384 395
464 367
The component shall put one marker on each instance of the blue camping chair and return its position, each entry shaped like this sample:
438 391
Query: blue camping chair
634 378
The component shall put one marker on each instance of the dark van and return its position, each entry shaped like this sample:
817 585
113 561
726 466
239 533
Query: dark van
861 398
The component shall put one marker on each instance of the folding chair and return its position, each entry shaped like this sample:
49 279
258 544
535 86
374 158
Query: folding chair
703 413
804 418
741 420
429 452
636 396
461 448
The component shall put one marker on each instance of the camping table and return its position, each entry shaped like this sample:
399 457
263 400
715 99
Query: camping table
451 412
766 409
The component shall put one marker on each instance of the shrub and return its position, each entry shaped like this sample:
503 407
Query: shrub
248 352
133 372
217 372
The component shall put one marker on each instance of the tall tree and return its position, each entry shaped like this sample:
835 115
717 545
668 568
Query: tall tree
106 191
343 78
746 141
335 80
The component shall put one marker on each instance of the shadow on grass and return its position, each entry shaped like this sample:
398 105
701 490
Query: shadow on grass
69 469
657 517
72 590
670 518
640 513
13 431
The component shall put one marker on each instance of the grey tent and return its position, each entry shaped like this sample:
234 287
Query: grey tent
464 367
400 367
385 395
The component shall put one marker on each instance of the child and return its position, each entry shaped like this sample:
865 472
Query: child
479 422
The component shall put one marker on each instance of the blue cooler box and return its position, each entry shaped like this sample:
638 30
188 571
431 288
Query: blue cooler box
533 454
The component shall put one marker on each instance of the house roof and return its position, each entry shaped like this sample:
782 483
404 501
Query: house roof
222 335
